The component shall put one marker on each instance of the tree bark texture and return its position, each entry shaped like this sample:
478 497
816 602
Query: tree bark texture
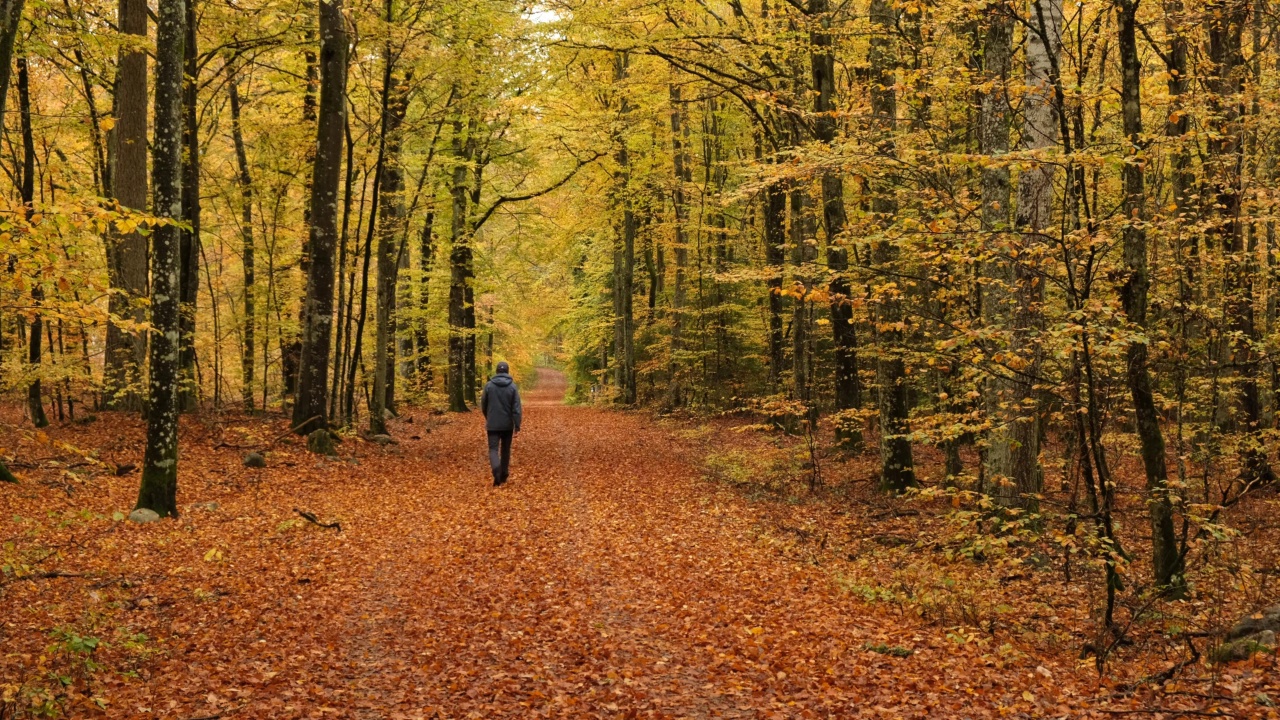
624 252
311 409
10 19
459 262
35 397
127 252
390 219
848 384
1165 556
189 282
245 180
159 486
1225 28
682 176
897 468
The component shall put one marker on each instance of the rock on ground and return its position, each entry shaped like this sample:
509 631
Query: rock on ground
1253 634
143 515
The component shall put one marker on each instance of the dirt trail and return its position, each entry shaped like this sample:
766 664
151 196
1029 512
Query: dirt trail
607 579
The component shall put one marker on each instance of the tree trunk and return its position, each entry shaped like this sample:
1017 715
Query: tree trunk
897 468
480 159
10 19
247 245
624 251
848 385
292 358
1225 165
390 217
775 239
997 295
803 255
679 140
1013 465
35 399
189 283
426 264
1165 556
311 408
159 487
459 262
127 252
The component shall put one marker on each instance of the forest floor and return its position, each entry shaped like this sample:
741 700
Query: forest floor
609 578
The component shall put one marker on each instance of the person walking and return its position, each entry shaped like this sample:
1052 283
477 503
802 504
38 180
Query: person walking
500 403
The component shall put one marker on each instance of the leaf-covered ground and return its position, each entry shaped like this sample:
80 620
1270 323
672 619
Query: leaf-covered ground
608 579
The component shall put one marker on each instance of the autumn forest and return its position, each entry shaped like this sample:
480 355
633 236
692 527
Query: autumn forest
879 358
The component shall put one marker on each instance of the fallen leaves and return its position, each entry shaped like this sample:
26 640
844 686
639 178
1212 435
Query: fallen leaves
607 580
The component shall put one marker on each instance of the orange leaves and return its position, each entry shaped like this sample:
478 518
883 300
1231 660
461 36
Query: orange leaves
609 579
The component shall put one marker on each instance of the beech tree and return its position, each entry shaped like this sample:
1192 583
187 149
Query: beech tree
311 410
160 464
127 254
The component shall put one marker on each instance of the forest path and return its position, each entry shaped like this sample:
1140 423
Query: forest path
607 579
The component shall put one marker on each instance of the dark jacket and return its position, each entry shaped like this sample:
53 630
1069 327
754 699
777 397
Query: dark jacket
500 403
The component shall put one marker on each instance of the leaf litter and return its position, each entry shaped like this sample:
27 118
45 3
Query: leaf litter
608 579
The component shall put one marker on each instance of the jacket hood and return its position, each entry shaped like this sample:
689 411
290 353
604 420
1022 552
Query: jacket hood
502 380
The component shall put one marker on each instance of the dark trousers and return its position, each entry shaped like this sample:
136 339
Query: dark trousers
500 455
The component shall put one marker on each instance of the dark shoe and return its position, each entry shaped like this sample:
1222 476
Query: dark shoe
498 483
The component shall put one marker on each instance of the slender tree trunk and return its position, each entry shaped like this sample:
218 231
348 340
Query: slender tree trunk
189 283
481 160
291 360
803 254
426 264
102 170
897 468
35 398
464 146
346 289
1014 450
1165 555
1005 392
1226 20
624 250
356 361
311 408
127 252
10 19
848 385
679 141
247 244
159 486
391 215
775 239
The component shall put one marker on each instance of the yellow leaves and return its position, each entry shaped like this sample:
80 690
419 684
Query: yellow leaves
107 124
213 555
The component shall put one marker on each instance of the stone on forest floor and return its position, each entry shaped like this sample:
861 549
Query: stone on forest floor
321 442
1253 634
383 439
144 515
255 460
